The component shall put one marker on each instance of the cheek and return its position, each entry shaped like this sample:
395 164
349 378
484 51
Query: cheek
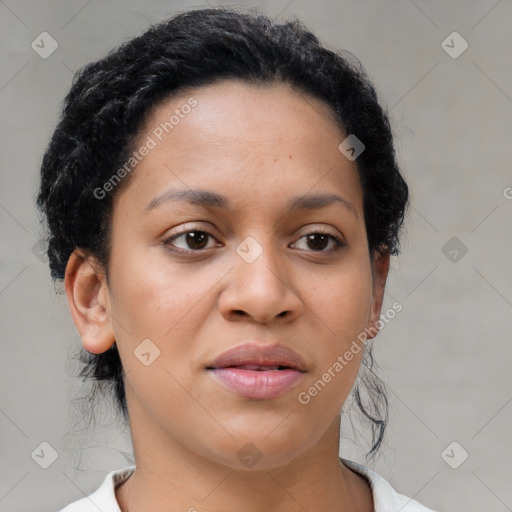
156 301
153 297
341 301
167 304
341 307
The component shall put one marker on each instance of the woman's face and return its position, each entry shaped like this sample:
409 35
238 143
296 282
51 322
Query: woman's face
244 224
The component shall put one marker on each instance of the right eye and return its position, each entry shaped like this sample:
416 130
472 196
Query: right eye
192 240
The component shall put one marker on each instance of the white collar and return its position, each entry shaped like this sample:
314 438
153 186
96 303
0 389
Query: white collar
385 498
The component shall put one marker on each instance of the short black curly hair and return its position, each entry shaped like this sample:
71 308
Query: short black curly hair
110 100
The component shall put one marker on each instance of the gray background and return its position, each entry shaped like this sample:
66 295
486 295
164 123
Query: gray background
446 356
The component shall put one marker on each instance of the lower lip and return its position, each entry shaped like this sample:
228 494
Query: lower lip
260 384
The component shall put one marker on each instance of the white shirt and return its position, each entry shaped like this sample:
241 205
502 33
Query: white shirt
385 498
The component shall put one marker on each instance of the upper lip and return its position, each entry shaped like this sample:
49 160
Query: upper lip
262 355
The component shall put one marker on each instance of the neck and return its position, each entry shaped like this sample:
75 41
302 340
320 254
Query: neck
167 472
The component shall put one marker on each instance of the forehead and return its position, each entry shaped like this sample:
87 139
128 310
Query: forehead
232 133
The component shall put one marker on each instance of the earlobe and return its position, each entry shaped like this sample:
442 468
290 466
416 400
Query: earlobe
87 293
380 269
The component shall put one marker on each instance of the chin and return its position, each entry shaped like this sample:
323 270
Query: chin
260 449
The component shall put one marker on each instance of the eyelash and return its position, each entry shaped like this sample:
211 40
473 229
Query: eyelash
338 243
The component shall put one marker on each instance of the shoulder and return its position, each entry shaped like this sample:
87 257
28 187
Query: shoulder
385 498
104 498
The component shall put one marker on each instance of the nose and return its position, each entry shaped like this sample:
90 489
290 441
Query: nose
260 290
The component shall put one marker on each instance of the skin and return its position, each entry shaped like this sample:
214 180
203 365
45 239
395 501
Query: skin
258 146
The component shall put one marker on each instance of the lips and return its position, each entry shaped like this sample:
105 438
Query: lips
260 367
258 372
259 358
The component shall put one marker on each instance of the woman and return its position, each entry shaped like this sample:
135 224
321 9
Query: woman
223 200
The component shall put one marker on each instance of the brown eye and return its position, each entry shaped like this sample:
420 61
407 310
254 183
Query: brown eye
317 241
196 239
191 240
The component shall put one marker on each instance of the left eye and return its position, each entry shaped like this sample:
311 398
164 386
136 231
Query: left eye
192 240
318 242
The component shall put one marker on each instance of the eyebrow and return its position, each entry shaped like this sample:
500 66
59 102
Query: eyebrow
199 197
211 199
315 201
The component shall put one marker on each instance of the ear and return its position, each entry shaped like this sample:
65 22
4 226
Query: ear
380 269
87 291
